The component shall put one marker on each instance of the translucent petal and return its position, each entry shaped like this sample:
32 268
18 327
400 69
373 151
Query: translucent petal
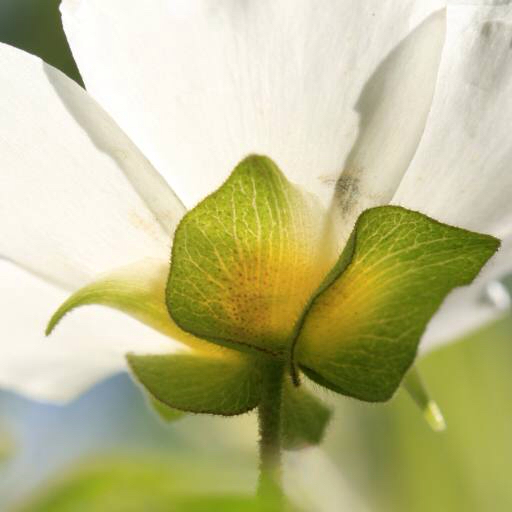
86 348
200 84
461 173
76 196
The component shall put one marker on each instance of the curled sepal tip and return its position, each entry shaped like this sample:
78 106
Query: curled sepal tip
137 290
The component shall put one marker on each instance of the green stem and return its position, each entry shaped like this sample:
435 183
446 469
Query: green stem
269 416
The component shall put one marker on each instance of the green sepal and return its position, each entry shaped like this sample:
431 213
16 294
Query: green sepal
361 331
246 260
163 411
413 384
219 382
304 417
137 290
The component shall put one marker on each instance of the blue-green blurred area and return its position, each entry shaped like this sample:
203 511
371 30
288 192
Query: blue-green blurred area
108 444
108 452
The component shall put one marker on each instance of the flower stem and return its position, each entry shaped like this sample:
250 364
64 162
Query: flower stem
269 416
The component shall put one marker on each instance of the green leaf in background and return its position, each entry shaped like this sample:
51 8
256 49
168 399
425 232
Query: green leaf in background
220 381
362 330
36 27
7 444
400 465
246 260
134 486
304 417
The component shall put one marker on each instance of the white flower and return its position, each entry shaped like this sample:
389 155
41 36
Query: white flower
394 100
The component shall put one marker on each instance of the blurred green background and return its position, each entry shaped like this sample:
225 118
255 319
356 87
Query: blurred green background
107 452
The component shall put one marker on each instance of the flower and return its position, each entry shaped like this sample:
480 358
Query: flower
361 103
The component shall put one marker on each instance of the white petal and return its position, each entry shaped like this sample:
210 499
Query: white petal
470 307
89 346
479 2
76 196
393 108
462 172
199 84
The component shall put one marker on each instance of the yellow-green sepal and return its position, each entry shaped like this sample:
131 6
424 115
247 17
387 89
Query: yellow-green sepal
137 290
304 417
246 260
219 381
360 334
